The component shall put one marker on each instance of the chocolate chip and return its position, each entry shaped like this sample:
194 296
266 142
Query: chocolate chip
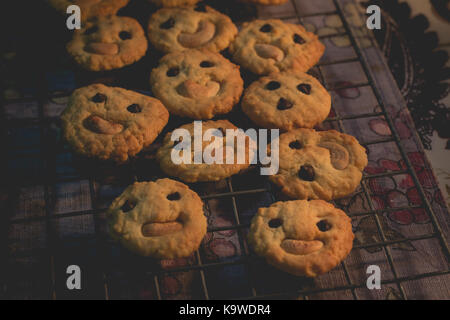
273 85
298 39
128 206
206 64
275 223
134 108
91 30
305 88
98 98
323 225
266 28
295 145
168 24
284 104
173 72
306 173
200 8
125 35
174 196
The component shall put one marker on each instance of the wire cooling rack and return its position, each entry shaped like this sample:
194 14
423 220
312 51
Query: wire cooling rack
42 234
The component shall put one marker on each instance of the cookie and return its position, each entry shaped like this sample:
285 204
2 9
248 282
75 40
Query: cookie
197 84
162 219
173 3
319 165
108 43
266 2
192 172
304 238
178 29
90 8
112 123
266 46
286 101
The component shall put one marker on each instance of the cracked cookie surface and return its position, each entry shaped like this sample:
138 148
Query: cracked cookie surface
319 164
90 8
112 123
191 172
197 84
267 46
287 101
178 29
108 43
304 238
162 219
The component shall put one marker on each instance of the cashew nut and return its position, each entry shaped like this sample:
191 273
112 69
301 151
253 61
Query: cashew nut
160 229
340 158
103 48
192 89
99 125
268 51
205 32
301 247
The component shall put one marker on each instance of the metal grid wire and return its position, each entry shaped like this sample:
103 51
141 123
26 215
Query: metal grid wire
246 257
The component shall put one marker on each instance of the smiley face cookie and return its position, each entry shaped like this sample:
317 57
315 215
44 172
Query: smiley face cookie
173 3
304 238
162 219
319 165
108 43
178 29
286 101
266 46
90 8
112 123
188 169
197 84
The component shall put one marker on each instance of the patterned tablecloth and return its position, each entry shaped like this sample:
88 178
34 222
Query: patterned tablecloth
46 179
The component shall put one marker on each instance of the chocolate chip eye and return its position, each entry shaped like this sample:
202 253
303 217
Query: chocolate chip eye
266 28
273 85
295 145
323 225
275 223
134 108
173 72
298 39
125 35
304 88
169 24
306 173
91 30
206 64
174 196
200 8
98 98
284 104
128 206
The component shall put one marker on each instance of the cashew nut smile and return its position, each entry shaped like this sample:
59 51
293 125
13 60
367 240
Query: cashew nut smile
193 90
106 49
99 125
301 247
340 159
156 229
205 32
268 51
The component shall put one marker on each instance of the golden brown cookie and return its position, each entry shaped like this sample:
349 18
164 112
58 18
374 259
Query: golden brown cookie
319 165
108 43
178 29
304 238
112 123
173 3
90 8
287 101
266 46
197 84
162 219
192 172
